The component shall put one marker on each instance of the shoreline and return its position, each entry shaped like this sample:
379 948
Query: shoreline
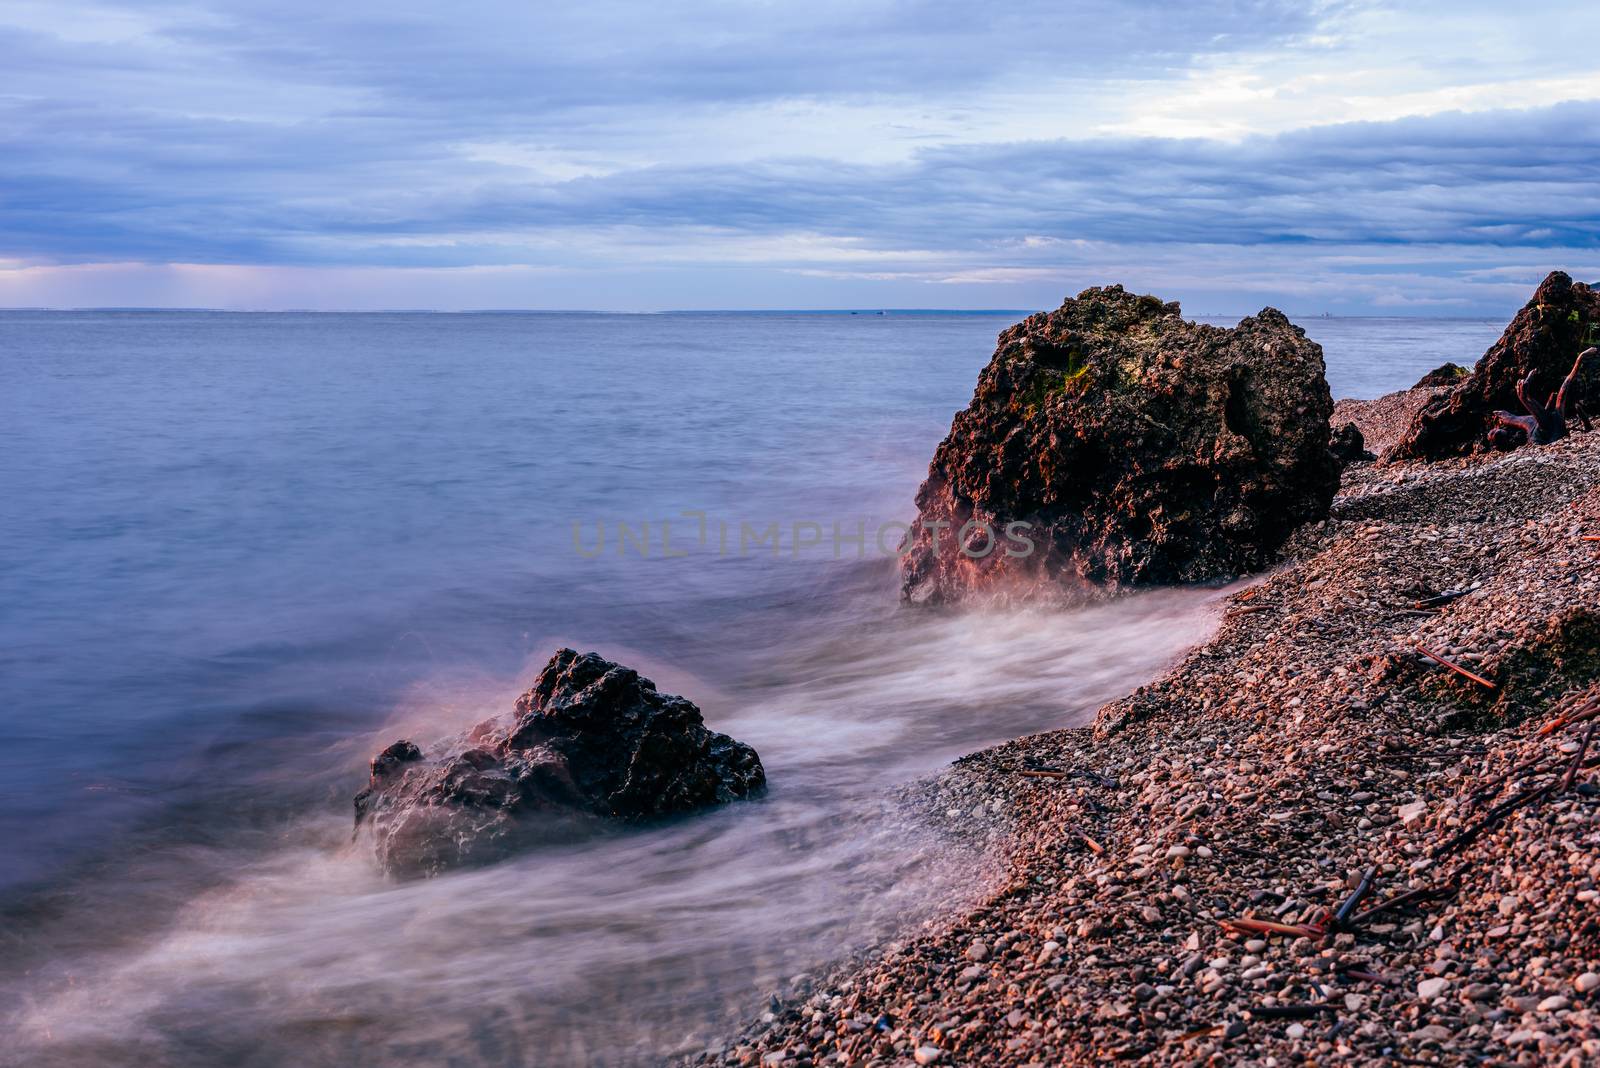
1308 743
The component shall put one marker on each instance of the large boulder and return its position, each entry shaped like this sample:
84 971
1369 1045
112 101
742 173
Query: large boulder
1545 337
590 739
1131 446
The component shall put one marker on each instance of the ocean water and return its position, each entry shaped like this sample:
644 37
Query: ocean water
241 552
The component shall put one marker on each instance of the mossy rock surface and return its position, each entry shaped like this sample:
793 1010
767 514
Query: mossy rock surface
1139 447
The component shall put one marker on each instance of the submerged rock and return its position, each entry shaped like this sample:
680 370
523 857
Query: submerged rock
590 739
1561 320
1113 442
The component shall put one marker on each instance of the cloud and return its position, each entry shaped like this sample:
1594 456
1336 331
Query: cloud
887 141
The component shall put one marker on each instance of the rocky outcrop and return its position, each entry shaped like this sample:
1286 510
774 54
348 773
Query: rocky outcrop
590 739
1112 442
1348 446
1446 374
1561 320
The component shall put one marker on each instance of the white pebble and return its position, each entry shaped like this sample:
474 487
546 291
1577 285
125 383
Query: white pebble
1429 989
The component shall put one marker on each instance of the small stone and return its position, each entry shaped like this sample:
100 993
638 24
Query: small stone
1508 904
1296 1031
927 1054
978 951
1429 989
1413 812
1586 982
1178 852
1554 1003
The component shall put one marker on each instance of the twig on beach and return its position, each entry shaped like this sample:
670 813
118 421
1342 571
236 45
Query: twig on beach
1492 787
1494 816
1363 976
1409 897
1250 925
1442 599
1094 847
1042 773
1290 1012
1347 908
1452 665
1590 537
1577 759
1586 711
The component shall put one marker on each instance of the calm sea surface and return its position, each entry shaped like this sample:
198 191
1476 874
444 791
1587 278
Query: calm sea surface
240 552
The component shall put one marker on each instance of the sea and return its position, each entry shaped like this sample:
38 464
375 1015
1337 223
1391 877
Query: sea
241 552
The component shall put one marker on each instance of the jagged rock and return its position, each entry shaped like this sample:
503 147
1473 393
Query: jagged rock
1446 374
1348 446
590 739
1560 321
1137 446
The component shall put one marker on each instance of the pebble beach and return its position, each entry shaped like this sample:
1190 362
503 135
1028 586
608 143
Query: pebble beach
1357 825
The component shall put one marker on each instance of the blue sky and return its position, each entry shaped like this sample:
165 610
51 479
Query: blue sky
1356 157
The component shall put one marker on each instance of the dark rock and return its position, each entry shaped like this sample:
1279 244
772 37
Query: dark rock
1446 374
1139 448
590 739
1561 320
1348 446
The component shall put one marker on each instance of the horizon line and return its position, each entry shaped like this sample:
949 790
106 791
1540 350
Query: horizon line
867 311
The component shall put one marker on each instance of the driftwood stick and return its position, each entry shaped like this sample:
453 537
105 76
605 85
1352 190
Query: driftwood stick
1250 925
1452 665
1410 897
1494 816
1290 1012
1577 760
1442 599
1585 711
1492 787
1347 908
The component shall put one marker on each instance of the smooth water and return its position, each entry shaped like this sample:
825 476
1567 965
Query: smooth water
238 553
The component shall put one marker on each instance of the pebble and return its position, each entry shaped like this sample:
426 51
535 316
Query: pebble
927 1055
978 951
1587 982
1554 1003
1429 989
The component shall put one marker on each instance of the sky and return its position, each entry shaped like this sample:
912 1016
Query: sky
1359 157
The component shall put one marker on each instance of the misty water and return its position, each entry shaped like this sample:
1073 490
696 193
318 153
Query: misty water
239 553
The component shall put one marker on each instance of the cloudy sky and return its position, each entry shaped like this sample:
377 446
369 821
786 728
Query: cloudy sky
1363 156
